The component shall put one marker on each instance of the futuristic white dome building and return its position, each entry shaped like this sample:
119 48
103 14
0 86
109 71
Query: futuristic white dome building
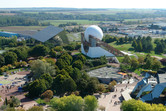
94 31
92 46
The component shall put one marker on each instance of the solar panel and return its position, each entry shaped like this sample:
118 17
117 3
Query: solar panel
47 33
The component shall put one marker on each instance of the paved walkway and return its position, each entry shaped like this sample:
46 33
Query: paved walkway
107 99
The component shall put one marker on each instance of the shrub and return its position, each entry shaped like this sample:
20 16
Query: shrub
47 94
36 108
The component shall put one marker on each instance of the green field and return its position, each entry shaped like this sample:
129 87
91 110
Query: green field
123 47
82 22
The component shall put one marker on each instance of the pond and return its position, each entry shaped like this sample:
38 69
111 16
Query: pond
2 51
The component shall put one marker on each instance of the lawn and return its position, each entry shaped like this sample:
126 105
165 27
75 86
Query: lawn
129 48
123 47
82 22
5 82
42 101
21 69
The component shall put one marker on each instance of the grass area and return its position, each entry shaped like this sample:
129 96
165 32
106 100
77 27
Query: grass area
138 71
5 82
129 48
41 101
21 28
21 69
122 47
120 59
82 22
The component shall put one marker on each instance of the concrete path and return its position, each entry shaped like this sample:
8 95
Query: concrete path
107 99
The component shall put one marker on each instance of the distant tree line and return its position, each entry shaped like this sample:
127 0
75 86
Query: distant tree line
20 21
98 17
68 24
119 40
27 19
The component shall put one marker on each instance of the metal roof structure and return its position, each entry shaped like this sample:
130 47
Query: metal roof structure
158 89
147 87
47 33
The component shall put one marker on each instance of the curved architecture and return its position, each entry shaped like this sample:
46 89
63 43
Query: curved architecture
92 46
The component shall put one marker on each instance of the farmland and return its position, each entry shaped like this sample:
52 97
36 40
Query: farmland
82 22
21 28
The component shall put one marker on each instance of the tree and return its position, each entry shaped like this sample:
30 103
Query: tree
82 58
68 103
69 47
58 48
111 85
61 63
10 57
36 88
48 80
78 64
148 64
92 86
141 60
101 88
126 60
39 50
66 57
22 53
138 105
2 61
69 85
134 63
76 74
38 68
90 103
156 64
53 53
139 46
159 48
12 102
69 69
47 94
58 84
134 44
103 59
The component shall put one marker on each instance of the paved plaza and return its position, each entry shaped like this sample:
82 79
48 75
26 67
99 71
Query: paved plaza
112 102
13 82
105 72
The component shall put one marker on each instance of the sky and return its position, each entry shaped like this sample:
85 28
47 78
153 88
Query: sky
84 3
